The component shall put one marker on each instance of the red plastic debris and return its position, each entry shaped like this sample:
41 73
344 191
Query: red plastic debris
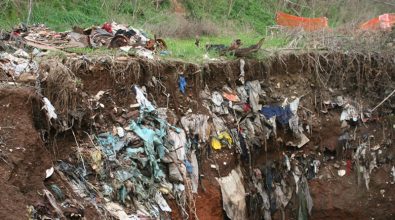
107 27
348 167
15 33
246 107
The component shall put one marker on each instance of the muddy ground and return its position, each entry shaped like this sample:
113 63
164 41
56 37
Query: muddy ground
30 144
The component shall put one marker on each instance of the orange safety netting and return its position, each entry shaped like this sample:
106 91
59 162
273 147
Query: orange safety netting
383 22
308 24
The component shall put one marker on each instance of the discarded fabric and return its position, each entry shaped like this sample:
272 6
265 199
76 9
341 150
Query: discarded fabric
182 83
254 90
144 103
162 202
195 172
233 194
282 114
196 124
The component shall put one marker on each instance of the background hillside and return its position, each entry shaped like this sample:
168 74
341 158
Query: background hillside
186 18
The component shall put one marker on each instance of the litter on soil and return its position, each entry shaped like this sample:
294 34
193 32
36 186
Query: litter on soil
298 136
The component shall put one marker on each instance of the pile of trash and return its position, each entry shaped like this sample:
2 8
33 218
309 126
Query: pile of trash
23 46
149 156
132 163
109 35
113 35
143 160
146 161
19 65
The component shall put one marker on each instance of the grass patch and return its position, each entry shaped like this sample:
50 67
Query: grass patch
185 49
233 15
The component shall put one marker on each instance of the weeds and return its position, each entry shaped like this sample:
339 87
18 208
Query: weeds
205 17
216 21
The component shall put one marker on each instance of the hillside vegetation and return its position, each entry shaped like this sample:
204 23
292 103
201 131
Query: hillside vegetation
186 18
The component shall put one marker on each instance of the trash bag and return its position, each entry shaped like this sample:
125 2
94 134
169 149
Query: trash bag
179 143
305 202
174 172
233 194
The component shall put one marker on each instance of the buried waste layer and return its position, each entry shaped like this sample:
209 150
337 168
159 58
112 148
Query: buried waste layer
296 137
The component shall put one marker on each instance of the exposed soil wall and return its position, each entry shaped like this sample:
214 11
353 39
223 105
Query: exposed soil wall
29 145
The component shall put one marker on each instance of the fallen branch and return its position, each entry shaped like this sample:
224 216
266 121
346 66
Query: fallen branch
44 46
386 98
40 46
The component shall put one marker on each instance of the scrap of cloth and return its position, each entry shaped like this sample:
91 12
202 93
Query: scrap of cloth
233 195
282 114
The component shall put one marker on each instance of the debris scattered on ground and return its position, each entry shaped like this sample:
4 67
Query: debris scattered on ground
140 139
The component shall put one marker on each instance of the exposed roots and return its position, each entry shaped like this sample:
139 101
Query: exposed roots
60 87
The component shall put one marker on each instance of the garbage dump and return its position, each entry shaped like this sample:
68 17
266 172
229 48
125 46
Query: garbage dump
135 138
138 153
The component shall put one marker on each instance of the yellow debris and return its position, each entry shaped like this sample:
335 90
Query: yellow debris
215 143
225 135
